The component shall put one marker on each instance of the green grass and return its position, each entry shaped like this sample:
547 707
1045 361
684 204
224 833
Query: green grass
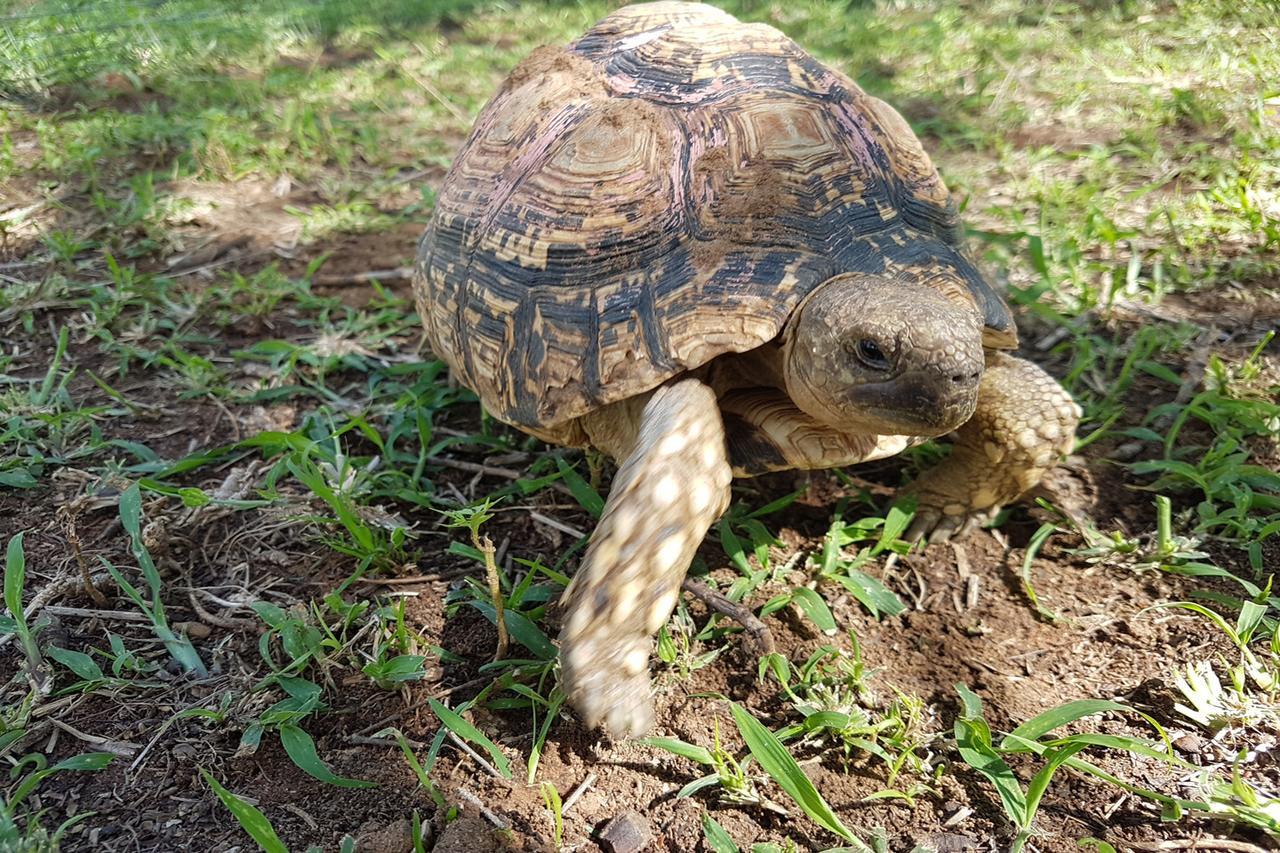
1118 168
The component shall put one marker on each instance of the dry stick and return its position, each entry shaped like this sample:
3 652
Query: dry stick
341 279
556 525
69 518
116 747
229 622
477 468
364 740
462 745
577 792
50 592
739 613
435 93
1192 844
93 613
488 815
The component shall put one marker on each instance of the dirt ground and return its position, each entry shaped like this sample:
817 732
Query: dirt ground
969 620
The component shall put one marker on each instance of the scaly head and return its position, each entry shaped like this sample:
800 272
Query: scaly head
879 355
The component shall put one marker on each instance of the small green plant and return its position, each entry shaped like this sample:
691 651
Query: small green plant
677 641
422 770
978 749
284 718
472 518
15 578
179 647
736 785
249 816
739 785
832 564
551 798
24 832
832 693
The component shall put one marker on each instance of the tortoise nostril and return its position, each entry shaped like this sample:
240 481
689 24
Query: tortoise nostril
964 379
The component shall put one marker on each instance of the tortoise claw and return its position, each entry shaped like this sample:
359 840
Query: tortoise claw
933 526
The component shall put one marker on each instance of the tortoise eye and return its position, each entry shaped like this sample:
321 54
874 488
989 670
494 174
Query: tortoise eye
870 354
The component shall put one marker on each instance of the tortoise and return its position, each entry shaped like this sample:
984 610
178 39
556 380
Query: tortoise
685 242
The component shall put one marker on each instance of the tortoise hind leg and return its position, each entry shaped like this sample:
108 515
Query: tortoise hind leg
1025 422
672 484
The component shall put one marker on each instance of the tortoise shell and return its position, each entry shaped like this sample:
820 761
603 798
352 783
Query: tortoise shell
664 191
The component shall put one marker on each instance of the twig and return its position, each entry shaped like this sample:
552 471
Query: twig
462 745
50 592
556 525
306 818
365 740
116 747
1192 844
476 467
94 613
739 613
488 815
68 514
577 792
435 93
399 715
340 279
229 622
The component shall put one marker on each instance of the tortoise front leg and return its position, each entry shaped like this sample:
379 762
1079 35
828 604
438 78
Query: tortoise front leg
1025 422
672 485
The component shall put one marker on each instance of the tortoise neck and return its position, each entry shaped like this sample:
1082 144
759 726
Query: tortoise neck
761 367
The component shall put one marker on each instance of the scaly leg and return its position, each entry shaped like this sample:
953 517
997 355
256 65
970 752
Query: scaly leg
673 483
1025 422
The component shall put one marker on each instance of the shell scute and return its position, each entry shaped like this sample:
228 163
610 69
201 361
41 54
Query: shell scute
664 191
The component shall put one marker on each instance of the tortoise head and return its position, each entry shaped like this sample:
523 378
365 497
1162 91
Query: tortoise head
885 355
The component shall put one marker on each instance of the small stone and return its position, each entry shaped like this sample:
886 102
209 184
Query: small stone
376 837
626 833
1190 744
194 630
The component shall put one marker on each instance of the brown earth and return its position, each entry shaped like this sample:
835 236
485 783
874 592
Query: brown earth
1107 643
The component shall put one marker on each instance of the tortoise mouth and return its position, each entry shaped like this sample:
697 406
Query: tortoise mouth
919 402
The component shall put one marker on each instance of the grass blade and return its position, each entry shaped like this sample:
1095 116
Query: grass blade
1039 783
1041 724
15 575
302 750
587 497
691 751
250 818
460 727
718 840
778 763
973 740
815 608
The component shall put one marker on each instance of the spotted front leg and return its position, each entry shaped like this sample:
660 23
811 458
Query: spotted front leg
1024 423
668 491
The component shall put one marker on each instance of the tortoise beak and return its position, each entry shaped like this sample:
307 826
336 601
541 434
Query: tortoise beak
922 402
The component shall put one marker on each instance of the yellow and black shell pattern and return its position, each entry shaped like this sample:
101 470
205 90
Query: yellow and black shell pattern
666 190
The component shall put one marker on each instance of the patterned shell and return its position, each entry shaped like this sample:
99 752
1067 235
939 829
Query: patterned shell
664 191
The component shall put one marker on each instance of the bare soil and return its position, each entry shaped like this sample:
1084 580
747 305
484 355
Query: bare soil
1108 642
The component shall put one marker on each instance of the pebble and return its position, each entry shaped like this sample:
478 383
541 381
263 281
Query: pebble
626 833
1189 743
